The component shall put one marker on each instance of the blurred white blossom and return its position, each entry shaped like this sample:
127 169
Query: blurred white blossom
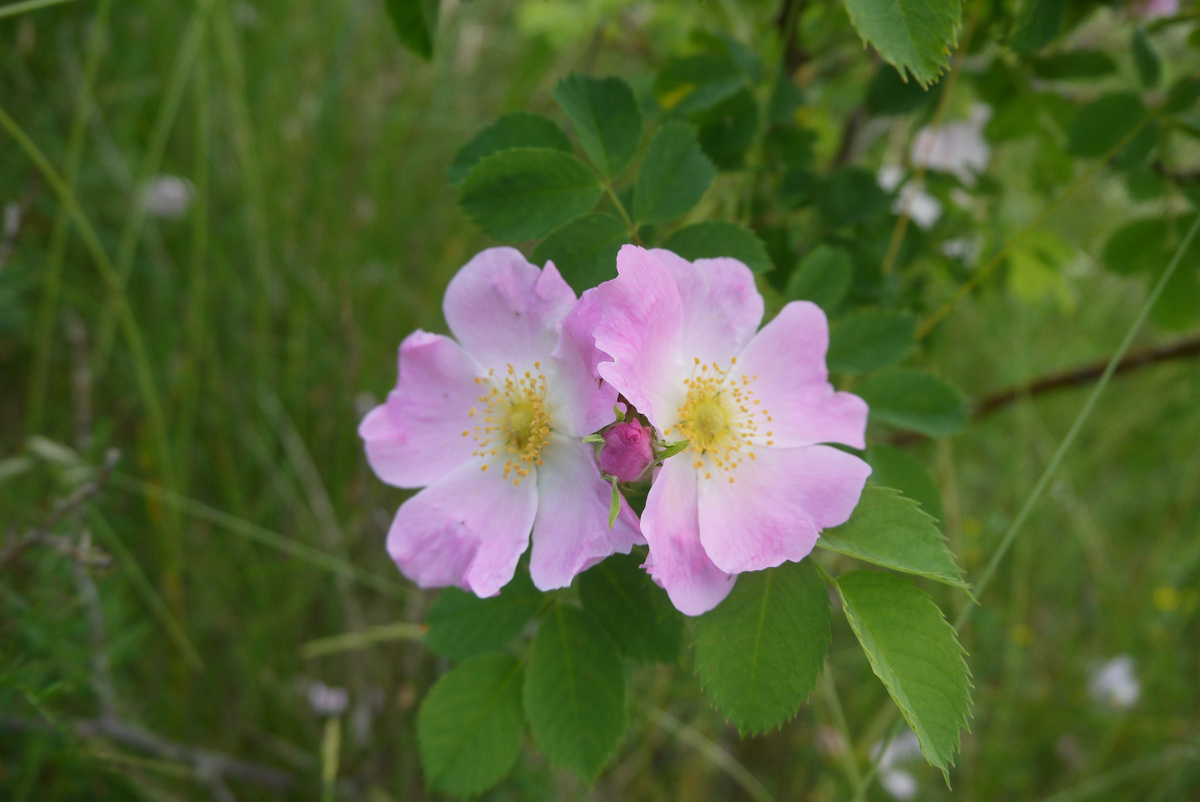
958 147
167 196
905 748
1114 683
921 207
326 700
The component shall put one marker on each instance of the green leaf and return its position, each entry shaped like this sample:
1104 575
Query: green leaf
606 117
869 339
415 22
915 652
720 238
469 726
575 692
462 625
895 467
727 130
689 84
1183 95
520 129
1103 123
1074 64
674 176
1146 58
850 196
914 400
634 611
823 277
912 35
1039 25
1147 244
892 531
524 193
584 250
760 651
890 94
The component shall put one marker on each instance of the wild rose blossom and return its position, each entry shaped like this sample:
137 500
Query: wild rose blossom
755 487
491 426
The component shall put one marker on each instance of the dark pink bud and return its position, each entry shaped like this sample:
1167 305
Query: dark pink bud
627 451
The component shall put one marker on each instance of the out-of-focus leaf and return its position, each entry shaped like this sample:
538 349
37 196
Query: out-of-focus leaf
895 467
688 84
520 129
1146 58
914 400
889 94
1103 123
823 277
1072 65
850 196
415 22
869 339
1039 25
727 129
584 250
720 238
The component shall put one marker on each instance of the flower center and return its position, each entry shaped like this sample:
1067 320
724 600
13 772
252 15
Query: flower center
515 422
721 419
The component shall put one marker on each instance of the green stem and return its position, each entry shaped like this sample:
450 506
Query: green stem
28 5
620 207
52 283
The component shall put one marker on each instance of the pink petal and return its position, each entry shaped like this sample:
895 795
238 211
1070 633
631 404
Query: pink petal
639 327
788 357
677 560
571 532
580 403
721 306
468 529
504 310
415 437
777 505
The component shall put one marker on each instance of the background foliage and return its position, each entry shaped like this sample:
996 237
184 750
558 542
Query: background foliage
229 351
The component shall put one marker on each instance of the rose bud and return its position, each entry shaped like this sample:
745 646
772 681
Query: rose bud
627 451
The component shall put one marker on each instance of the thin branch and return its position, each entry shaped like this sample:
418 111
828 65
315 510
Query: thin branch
1075 377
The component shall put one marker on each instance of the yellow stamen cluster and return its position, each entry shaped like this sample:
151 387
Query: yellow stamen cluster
721 419
515 422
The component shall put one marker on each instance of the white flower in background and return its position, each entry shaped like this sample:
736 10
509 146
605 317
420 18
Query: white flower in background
905 748
1114 683
167 196
957 147
326 700
921 207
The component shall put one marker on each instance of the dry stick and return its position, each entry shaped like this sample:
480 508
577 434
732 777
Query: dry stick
1066 379
893 251
1044 480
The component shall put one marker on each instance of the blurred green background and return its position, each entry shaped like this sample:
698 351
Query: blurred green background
264 185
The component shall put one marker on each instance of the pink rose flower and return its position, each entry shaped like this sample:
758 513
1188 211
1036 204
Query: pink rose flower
491 426
680 341
627 452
